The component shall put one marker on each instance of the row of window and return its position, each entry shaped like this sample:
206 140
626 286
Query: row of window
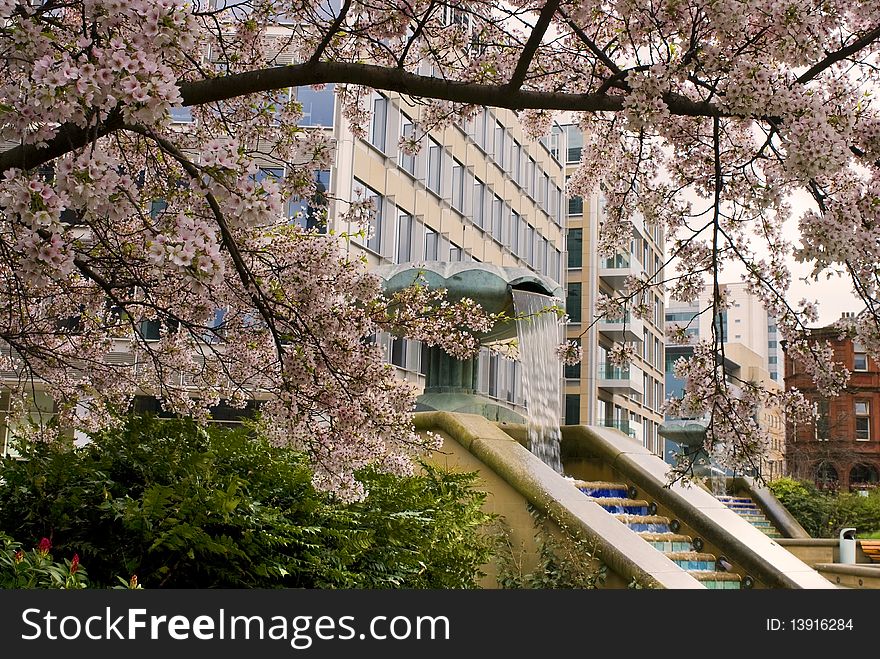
861 413
431 162
508 227
496 377
318 106
614 416
404 238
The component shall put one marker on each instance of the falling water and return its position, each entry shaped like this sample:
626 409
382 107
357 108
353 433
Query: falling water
539 335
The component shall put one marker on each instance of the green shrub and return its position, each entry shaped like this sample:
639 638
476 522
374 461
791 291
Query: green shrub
565 560
814 510
823 514
181 506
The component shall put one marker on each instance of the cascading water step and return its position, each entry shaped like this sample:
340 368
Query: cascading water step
749 511
652 523
619 499
668 542
718 580
618 505
599 489
693 560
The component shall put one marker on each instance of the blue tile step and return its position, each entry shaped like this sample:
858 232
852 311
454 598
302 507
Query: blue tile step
692 560
668 542
602 489
628 506
717 580
735 501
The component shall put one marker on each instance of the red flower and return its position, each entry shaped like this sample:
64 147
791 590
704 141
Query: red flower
19 556
44 546
74 564
133 582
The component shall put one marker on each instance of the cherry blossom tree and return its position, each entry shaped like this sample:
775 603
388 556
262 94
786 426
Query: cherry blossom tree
703 116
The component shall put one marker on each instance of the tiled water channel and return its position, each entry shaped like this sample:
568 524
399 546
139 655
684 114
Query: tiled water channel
660 532
748 510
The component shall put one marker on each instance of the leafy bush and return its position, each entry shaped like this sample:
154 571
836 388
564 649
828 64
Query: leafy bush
823 514
565 560
36 568
814 510
181 506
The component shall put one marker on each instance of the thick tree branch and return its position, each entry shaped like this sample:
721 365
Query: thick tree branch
331 32
838 55
222 88
531 47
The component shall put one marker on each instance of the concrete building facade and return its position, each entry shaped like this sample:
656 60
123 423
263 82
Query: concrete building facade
596 391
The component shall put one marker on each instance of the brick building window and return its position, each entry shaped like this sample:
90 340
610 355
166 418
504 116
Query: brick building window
860 358
863 420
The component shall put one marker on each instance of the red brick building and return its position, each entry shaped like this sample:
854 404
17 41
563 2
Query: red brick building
842 448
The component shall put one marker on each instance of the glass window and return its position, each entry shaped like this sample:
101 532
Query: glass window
379 122
500 144
479 202
362 191
432 245
575 143
317 105
398 352
181 115
404 237
544 192
572 409
530 178
406 161
516 161
863 420
497 218
860 358
575 247
455 252
512 238
573 302
530 244
458 186
435 157
312 213
479 127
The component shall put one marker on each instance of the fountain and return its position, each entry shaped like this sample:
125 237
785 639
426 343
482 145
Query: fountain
538 333
521 294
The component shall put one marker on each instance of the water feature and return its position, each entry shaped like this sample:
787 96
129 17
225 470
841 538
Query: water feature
663 533
538 330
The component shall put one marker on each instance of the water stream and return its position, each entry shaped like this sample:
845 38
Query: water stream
539 335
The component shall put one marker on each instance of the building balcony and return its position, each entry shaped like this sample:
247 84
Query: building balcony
614 271
622 328
623 380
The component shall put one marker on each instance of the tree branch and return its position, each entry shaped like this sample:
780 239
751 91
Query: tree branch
838 55
331 32
222 88
531 47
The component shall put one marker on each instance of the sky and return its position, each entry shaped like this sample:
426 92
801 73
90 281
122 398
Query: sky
834 296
